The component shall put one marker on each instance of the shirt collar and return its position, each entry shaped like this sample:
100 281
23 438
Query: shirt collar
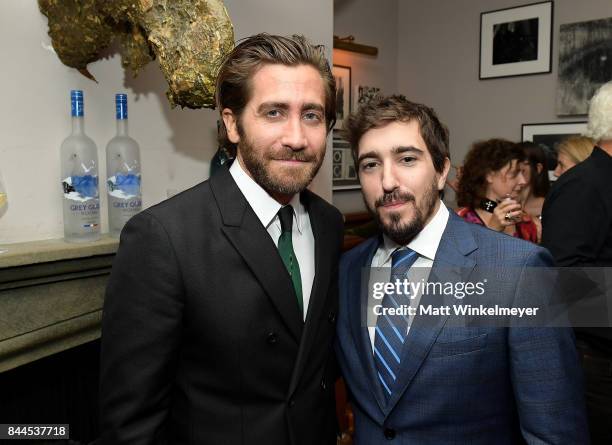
427 240
264 206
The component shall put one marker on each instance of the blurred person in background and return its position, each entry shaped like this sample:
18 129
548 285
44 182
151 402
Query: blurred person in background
572 151
490 186
577 229
536 175
453 183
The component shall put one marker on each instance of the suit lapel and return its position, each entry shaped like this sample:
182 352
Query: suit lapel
358 286
252 241
323 248
450 265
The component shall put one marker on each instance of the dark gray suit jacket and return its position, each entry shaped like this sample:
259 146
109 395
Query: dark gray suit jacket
202 339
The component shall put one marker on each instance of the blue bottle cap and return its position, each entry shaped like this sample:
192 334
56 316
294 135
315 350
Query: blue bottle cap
121 106
76 103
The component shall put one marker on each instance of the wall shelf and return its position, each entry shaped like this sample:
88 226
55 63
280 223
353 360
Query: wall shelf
51 297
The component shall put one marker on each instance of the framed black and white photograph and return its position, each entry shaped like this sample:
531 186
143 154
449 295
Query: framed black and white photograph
342 75
344 175
366 94
548 136
585 63
516 41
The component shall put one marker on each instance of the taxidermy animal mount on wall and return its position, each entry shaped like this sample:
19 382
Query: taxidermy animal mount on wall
188 37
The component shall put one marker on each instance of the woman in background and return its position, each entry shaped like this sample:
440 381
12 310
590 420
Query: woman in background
572 151
489 188
536 174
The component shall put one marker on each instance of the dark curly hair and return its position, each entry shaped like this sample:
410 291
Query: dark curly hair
483 158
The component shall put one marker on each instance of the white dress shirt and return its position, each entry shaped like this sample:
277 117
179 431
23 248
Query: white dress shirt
425 244
266 208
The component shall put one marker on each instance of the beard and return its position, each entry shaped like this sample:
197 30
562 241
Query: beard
286 181
402 232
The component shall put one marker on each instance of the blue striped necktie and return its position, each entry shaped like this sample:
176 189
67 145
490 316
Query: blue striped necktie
391 330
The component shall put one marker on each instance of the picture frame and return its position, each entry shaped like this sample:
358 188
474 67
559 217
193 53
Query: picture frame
548 136
342 76
516 41
365 94
344 174
585 64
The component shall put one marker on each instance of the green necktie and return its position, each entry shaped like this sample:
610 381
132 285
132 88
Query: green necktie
285 248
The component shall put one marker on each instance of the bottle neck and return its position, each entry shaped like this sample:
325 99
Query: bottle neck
122 127
78 125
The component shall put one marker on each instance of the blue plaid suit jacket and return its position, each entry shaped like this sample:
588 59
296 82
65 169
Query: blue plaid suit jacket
468 385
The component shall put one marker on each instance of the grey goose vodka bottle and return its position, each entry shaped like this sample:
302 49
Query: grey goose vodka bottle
122 171
79 175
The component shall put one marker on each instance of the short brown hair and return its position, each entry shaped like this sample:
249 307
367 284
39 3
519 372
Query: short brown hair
233 87
483 158
385 110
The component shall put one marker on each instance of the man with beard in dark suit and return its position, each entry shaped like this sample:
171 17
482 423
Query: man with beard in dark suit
220 310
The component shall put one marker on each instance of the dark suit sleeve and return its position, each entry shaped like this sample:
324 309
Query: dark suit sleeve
570 227
545 371
140 335
335 280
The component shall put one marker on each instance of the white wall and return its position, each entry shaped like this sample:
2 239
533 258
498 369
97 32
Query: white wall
438 53
176 145
372 23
